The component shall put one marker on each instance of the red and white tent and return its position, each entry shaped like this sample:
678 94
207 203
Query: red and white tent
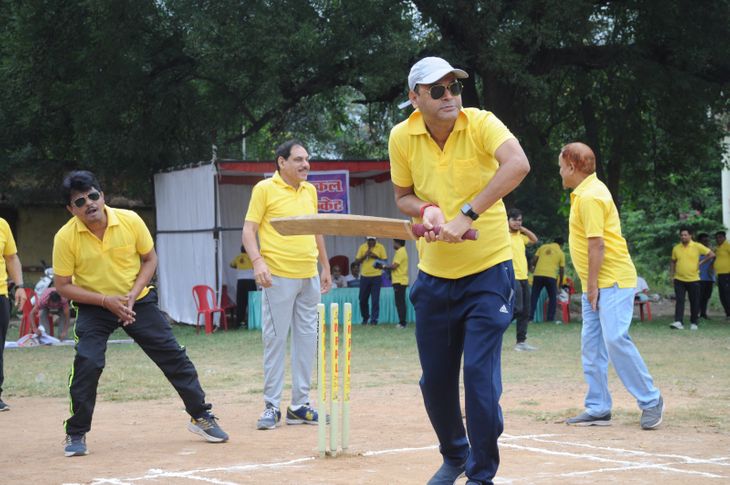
200 213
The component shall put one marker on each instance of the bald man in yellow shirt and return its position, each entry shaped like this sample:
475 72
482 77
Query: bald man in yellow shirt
608 277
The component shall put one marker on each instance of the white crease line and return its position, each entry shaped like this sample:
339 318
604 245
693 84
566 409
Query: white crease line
627 464
687 459
641 466
156 473
398 450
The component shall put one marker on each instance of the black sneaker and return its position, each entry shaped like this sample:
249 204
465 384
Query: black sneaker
447 474
585 419
3 406
207 427
75 445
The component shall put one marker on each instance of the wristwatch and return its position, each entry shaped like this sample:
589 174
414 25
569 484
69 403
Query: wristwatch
469 212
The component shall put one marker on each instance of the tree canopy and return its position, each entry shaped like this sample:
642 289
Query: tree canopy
131 87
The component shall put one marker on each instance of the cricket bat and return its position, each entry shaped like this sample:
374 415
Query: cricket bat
355 225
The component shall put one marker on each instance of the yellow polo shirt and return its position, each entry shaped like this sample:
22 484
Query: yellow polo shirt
109 266
400 274
8 248
242 261
519 258
550 259
366 266
688 260
449 179
286 256
594 214
722 258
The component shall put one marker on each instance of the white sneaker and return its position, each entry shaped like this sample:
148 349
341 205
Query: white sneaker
524 347
693 326
677 326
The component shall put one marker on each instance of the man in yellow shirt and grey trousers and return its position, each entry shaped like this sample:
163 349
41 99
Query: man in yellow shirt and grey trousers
602 260
286 269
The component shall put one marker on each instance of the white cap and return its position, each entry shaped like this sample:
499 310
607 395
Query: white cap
370 237
430 69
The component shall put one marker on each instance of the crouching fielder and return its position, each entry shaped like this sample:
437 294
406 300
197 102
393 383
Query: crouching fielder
601 258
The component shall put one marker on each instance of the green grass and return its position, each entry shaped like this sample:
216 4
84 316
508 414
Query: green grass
692 367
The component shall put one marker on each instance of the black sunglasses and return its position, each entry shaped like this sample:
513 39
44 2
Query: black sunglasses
437 91
81 201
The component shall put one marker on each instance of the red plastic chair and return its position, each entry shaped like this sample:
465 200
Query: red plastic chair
204 297
227 304
563 305
643 304
343 262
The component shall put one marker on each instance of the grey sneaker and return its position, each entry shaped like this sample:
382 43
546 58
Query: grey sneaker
676 326
3 406
524 347
269 418
693 326
652 417
585 419
207 427
75 445
447 474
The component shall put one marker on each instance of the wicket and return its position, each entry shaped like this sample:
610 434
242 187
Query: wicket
331 404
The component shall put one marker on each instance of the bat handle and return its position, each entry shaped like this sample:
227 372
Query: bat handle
419 231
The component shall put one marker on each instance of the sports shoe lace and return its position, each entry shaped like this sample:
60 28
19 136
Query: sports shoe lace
207 422
270 412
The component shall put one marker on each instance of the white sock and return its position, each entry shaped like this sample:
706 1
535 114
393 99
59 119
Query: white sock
295 407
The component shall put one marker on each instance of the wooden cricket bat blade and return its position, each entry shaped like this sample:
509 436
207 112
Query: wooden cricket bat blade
344 225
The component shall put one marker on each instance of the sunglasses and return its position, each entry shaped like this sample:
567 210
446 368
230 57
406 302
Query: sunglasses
437 91
81 201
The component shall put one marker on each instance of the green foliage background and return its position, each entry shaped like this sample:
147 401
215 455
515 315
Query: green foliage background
131 87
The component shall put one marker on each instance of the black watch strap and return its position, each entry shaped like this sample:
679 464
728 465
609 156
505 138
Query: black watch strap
469 212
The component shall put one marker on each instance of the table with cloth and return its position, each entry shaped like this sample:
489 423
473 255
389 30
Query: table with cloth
388 312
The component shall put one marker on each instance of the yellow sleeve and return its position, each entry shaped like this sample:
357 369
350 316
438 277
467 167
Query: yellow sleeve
380 252
10 247
361 251
145 244
400 172
526 240
257 204
592 216
562 257
64 260
315 200
703 249
674 253
400 258
494 133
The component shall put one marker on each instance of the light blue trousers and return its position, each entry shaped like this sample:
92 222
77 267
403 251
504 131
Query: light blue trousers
605 336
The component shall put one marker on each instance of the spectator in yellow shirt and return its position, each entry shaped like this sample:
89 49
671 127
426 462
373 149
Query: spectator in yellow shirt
722 270
371 257
684 270
399 276
549 262
520 237
244 284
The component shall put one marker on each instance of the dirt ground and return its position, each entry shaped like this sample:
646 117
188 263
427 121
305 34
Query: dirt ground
391 443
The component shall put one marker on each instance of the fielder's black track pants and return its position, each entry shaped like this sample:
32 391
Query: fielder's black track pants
152 333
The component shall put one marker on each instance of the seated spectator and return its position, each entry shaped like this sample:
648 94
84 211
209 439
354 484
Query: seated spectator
337 279
51 303
642 290
353 279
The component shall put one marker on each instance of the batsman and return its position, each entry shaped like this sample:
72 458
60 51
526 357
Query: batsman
450 167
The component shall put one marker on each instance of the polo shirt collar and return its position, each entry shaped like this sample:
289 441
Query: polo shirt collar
278 180
416 125
584 185
111 220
